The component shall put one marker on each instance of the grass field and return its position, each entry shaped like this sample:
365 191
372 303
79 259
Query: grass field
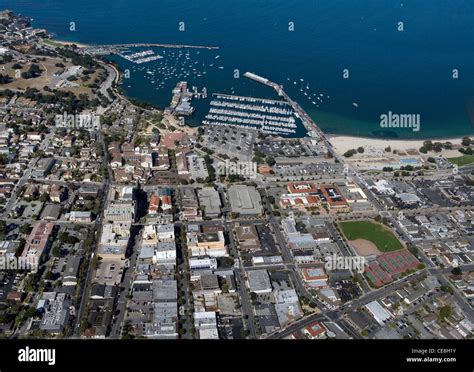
374 232
48 68
462 160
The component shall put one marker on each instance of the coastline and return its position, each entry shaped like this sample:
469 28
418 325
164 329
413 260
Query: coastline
344 143
68 43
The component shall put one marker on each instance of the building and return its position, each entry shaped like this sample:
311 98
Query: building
380 314
315 277
207 244
112 244
38 240
258 281
308 195
79 216
189 204
245 200
203 263
55 307
165 232
120 212
71 271
43 167
302 188
164 194
247 237
154 205
333 197
165 252
210 201
51 212
205 323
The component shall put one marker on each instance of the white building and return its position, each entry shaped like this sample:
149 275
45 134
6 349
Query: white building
380 314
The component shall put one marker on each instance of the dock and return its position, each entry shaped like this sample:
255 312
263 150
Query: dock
117 48
309 124
266 115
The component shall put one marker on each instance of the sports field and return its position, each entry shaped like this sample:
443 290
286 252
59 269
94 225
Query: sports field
462 160
378 234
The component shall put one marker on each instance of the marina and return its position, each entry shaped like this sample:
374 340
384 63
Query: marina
119 48
141 57
266 115
310 125
181 101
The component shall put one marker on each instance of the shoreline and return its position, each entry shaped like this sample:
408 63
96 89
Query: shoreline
68 43
343 143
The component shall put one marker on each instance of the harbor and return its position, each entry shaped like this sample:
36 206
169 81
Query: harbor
141 57
182 97
119 48
266 115
310 125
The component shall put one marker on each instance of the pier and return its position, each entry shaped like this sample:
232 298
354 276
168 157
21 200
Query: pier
309 124
181 101
116 48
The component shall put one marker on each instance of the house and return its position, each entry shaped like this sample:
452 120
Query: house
71 271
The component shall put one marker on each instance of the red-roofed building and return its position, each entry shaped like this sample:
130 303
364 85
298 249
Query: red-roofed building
37 241
165 199
314 330
154 205
300 195
169 139
302 187
333 196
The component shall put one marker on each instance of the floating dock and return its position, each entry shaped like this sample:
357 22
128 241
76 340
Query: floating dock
266 115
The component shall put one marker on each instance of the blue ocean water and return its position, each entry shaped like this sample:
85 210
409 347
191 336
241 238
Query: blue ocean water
407 72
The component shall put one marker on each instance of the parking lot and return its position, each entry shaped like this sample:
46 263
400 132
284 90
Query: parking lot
232 142
323 168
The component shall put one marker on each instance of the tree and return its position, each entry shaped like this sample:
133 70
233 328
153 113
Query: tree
350 153
466 141
445 312
44 198
96 262
33 72
56 251
456 271
49 275
360 150
30 312
270 161
3 229
5 79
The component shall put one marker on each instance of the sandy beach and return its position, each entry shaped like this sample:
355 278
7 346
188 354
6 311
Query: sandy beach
79 45
345 143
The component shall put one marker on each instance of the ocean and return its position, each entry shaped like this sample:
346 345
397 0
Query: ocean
344 61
